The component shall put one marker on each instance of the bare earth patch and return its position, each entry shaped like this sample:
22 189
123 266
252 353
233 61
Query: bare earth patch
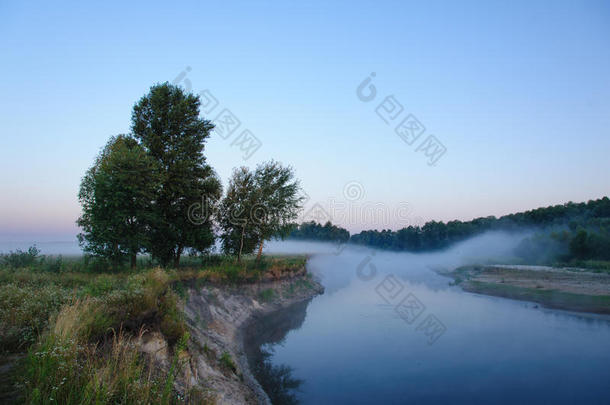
577 282
561 288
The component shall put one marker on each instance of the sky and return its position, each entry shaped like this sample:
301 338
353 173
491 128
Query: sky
515 94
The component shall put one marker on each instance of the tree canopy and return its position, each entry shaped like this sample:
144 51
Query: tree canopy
116 195
314 231
166 122
258 206
567 231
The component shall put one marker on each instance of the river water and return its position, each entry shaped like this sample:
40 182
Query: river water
390 330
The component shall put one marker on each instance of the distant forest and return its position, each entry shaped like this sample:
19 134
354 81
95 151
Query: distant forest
314 231
566 232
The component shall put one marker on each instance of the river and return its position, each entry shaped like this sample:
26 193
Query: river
390 330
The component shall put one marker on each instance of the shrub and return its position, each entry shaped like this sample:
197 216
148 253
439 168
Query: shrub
25 311
19 259
227 362
173 325
100 285
266 295
51 264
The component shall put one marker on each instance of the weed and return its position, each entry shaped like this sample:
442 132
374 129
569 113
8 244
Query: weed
266 295
227 362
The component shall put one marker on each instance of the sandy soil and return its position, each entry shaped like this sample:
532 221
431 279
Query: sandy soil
572 281
561 288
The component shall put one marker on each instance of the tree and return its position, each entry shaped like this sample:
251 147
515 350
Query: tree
278 201
257 206
116 195
234 214
314 231
166 121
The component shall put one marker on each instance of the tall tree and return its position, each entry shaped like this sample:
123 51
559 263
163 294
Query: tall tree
116 195
278 201
167 123
234 214
258 206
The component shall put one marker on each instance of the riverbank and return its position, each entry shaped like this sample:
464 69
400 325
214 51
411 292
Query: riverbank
146 336
572 289
219 317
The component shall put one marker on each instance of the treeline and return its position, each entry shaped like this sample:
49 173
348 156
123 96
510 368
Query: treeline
579 241
152 191
566 232
314 231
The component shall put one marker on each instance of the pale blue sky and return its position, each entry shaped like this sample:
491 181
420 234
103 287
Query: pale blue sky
518 92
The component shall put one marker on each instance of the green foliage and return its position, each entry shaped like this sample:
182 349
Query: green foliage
279 200
19 259
234 216
29 298
266 295
169 383
314 231
116 195
140 193
78 328
166 122
257 206
52 264
25 311
173 324
571 231
62 369
227 361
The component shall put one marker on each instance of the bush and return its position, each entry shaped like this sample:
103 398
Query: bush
25 311
51 264
227 362
19 259
173 324
266 295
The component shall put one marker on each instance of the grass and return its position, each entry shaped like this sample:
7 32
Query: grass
78 331
266 295
75 327
226 270
64 369
227 362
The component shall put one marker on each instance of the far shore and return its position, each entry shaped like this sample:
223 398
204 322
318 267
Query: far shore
572 289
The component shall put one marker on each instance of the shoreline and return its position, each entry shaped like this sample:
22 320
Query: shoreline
219 317
567 289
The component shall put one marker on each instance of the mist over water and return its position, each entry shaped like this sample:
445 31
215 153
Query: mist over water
353 346
491 247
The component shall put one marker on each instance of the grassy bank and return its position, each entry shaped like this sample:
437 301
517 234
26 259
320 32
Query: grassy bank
69 333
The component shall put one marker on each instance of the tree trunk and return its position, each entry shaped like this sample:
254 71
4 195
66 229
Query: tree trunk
133 260
116 259
241 243
177 257
260 251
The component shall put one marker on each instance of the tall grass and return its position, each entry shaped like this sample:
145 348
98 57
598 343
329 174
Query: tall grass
63 368
88 357
79 327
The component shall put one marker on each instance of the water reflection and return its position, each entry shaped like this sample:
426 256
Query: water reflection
268 331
